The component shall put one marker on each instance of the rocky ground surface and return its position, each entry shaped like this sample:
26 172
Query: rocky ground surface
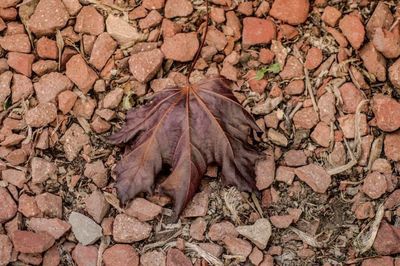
322 79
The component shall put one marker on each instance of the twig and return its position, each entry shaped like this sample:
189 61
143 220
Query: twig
365 239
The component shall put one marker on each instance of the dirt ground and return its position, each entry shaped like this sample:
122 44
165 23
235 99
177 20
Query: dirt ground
320 77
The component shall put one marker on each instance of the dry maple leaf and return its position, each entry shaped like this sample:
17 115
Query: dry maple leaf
186 128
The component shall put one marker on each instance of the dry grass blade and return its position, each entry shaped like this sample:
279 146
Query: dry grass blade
161 243
60 46
232 200
306 238
199 251
105 242
25 11
204 254
376 150
365 239
355 156
113 201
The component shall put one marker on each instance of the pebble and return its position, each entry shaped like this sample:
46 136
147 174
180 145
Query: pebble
103 48
151 20
73 141
382 261
85 255
145 65
153 258
121 30
198 207
181 47
314 58
216 38
387 112
257 31
381 18
113 98
305 118
285 174
353 29
374 61
374 185
292 69
394 75
128 229
73 6
21 63
52 257
387 239
85 230
315 176
5 83
277 138
41 115
97 206
84 107
89 21
219 230
30 242
197 229
42 67
175 257
258 233
295 158
66 100
5 250
392 146
331 15
28 207
294 12
351 97
50 85
80 73
8 208
347 124
266 56
50 205
178 8
321 134
143 209
41 170
14 177
97 172
327 107
265 172
386 42
55 227
217 15
364 210
16 43
281 221
153 4
237 246
121 255
21 87
8 3
46 48
48 17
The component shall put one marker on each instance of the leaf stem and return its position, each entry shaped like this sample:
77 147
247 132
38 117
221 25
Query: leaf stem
196 57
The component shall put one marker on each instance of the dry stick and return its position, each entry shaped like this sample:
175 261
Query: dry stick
196 57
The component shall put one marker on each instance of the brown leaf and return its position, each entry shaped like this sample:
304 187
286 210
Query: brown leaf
186 128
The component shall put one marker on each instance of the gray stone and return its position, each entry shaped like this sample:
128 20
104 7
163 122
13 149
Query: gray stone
85 229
